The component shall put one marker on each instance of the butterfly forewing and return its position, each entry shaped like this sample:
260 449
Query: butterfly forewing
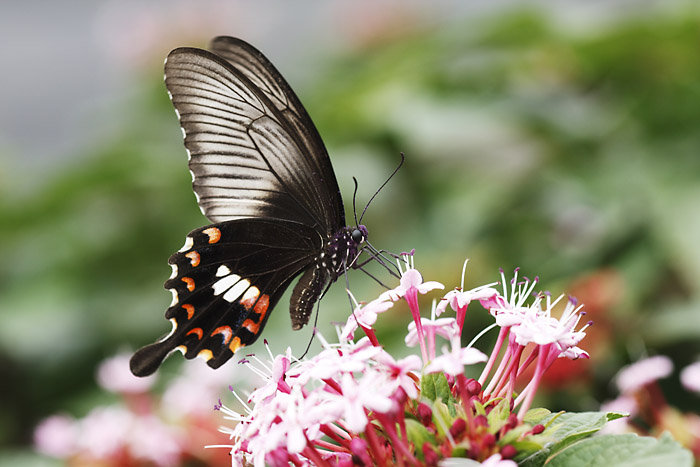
256 67
246 159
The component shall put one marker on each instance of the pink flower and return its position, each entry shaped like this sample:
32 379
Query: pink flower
452 362
690 377
411 281
643 372
365 316
334 360
359 396
57 436
445 327
459 301
114 375
411 285
401 371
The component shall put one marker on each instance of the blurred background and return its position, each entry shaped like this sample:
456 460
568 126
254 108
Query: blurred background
563 139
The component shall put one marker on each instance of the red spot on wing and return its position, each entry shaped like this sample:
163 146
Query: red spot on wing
197 331
213 233
226 331
194 258
189 309
190 283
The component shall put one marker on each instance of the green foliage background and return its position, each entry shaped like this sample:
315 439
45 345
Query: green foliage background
566 153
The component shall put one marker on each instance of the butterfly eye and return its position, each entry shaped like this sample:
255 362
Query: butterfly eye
357 236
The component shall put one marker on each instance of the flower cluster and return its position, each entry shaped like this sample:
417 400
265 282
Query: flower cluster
356 404
649 412
141 429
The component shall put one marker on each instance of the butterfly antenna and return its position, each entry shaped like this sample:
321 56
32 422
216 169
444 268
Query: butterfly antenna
380 188
354 196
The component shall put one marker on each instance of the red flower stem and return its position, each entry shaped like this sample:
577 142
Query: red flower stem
330 446
494 355
332 435
539 371
369 332
376 451
657 403
313 455
400 448
431 343
461 314
530 358
499 371
510 372
333 385
466 399
411 297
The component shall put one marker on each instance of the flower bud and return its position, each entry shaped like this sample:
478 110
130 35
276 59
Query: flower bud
458 428
425 414
429 454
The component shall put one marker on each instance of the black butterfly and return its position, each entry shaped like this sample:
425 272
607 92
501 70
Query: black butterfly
262 175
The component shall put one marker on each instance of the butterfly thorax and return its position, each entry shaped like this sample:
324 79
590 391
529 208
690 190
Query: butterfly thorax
337 255
342 250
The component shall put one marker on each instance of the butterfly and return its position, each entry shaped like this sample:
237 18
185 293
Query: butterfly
261 174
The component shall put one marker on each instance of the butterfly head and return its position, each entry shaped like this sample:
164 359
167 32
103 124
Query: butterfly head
359 234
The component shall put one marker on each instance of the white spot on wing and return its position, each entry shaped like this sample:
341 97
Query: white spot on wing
184 133
236 291
223 271
172 330
177 112
175 297
174 273
251 294
188 244
192 174
226 283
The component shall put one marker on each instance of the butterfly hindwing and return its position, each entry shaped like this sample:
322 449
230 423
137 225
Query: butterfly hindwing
226 279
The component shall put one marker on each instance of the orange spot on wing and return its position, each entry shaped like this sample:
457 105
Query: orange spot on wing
226 331
194 258
205 354
251 326
189 309
235 344
261 306
190 283
197 331
261 310
213 233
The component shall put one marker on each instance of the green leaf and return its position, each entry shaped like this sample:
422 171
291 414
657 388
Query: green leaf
442 388
535 416
442 418
427 386
418 434
498 416
434 386
562 429
623 450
